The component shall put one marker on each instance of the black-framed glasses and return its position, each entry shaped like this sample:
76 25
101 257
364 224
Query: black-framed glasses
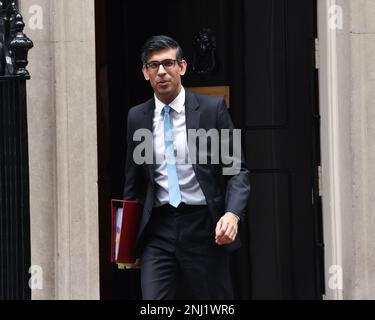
167 64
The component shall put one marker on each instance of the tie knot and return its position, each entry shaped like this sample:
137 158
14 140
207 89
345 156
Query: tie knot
167 109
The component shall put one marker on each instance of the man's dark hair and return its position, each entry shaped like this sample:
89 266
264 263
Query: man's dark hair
157 43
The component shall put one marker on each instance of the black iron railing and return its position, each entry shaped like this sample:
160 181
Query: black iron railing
15 258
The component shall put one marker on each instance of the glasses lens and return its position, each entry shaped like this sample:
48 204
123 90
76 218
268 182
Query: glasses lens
153 64
169 63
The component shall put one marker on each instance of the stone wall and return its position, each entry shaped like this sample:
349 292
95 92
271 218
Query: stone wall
347 105
63 147
362 219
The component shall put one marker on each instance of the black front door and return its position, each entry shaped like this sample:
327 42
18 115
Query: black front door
265 56
280 122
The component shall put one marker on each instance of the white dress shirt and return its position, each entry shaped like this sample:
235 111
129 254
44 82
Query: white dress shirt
191 191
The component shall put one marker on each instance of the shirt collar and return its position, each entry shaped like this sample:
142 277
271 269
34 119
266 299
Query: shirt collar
177 104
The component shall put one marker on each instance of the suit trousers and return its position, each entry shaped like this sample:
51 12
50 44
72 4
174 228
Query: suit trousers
180 245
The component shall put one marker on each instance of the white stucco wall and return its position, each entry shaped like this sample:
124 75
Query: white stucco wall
63 147
348 130
362 40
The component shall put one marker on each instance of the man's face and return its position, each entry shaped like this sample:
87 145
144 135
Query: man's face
166 81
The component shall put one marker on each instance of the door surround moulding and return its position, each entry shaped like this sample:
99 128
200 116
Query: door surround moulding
329 111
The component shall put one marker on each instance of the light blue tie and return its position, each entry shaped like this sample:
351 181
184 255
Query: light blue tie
173 186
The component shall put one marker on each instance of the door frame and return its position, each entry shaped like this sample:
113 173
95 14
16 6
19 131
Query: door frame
329 107
330 156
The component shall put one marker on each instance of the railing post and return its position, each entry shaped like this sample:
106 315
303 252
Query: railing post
15 259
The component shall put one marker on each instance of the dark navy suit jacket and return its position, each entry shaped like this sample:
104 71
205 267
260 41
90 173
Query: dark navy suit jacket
223 193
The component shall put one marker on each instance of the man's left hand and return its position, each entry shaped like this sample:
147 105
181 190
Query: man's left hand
226 229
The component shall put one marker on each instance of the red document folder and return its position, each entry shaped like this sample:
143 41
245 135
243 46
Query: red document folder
127 233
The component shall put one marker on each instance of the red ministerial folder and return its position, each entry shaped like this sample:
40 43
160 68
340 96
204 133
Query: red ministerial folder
126 216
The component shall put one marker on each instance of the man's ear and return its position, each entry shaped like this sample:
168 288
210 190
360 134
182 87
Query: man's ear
183 67
145 73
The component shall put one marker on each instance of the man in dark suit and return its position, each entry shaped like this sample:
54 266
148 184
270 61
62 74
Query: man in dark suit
191 209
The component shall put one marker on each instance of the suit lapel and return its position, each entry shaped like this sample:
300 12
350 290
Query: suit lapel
147 123
148 112
192 111
193 115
